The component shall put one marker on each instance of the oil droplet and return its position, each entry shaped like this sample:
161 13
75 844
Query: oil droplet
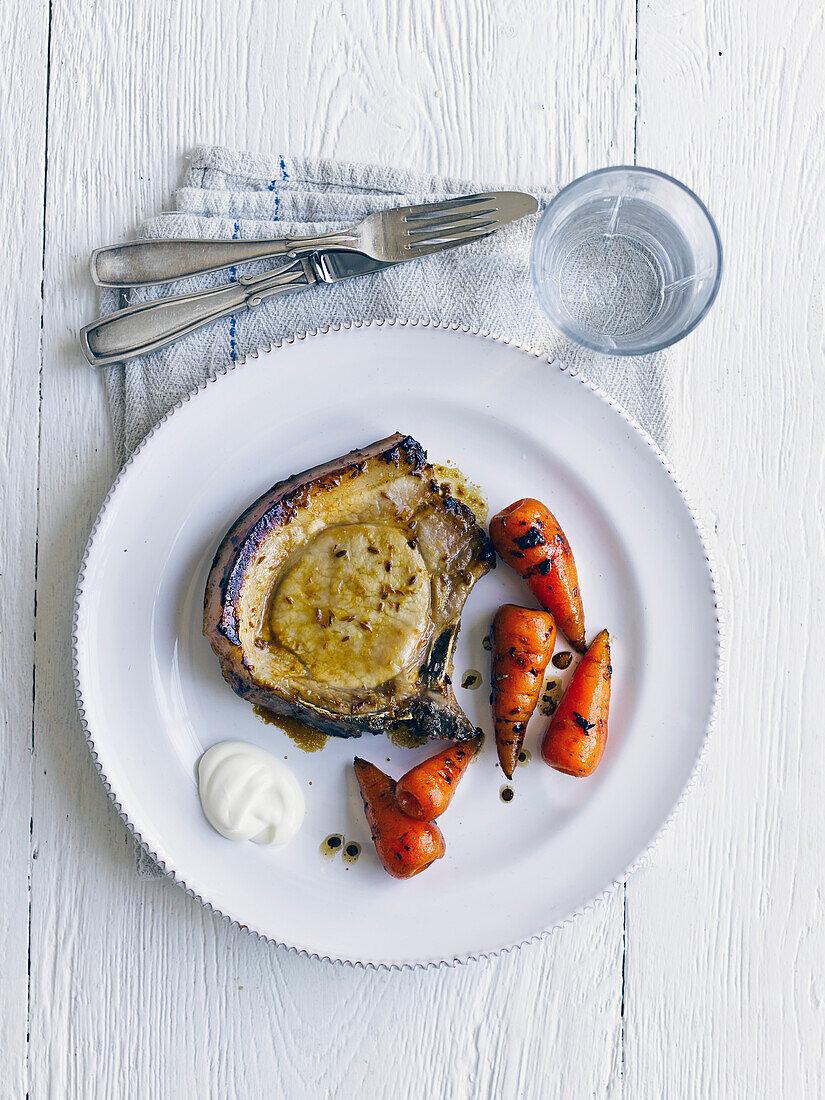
471 679
550 697
524 757
487 642
331 846
304 736
404 739
563 659
507 794
351 852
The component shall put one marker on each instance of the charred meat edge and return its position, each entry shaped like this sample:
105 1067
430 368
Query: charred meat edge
276 507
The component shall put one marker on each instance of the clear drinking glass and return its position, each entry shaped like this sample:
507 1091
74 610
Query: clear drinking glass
626 260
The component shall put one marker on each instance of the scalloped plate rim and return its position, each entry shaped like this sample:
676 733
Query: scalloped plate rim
237 921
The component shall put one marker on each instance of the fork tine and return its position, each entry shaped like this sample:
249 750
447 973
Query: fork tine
450 224
449 217
415 213
452 231
447 240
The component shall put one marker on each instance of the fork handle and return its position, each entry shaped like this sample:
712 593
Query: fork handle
143 263
143 328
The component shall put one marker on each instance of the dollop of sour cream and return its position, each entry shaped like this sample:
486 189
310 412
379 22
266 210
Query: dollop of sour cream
247 794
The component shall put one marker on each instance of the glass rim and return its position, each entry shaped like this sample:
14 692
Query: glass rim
647 349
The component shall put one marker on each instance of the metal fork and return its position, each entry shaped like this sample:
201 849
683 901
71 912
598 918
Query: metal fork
387 235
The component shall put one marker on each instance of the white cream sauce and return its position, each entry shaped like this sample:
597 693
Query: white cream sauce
247 794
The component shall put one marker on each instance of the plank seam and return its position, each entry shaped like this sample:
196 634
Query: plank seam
636 87
49 26
624 884
622 1016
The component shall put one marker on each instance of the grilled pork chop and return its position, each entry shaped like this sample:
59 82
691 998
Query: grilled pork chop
336 598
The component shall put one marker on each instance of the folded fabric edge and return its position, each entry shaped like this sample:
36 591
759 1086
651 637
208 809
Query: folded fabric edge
284 170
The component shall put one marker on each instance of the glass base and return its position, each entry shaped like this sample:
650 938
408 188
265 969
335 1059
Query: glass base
611 285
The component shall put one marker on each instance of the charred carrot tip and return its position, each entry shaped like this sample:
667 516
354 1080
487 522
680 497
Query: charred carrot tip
409 804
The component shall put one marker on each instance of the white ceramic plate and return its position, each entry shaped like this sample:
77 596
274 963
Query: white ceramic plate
152 697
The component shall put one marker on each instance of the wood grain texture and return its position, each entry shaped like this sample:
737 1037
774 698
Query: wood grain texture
726 943
22 167
135 990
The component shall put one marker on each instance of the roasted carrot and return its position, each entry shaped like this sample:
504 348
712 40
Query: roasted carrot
528 537
404 846
575 739
523 643
425 791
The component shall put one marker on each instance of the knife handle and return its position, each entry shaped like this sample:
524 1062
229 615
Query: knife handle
144 328
144 263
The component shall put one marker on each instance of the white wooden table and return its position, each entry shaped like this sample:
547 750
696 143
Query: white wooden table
705 976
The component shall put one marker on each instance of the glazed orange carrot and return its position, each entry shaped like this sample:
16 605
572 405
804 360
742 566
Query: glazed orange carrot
577 734
425 791
404 846
523 643
528 537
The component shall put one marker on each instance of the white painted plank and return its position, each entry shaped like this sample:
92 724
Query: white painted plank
23 37
726 943
136 990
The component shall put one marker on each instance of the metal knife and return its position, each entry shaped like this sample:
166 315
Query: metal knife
149 326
